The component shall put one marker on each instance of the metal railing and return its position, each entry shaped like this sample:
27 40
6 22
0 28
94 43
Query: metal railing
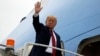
63 50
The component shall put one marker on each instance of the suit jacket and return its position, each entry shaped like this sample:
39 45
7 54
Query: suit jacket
43 37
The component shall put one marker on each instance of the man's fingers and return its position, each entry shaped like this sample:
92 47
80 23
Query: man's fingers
38 4
38 7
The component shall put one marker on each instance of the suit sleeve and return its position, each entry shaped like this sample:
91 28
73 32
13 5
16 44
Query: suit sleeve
37 25
60 53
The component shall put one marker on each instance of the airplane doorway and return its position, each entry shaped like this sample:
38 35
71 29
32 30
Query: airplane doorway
90 46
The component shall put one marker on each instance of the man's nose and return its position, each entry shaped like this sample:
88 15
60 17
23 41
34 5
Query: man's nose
51 21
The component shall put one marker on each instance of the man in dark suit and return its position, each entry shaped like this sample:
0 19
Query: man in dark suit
45 35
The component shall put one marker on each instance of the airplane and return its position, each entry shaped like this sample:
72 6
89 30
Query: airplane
78 25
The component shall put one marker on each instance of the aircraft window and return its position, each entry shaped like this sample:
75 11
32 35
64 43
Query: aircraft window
23 19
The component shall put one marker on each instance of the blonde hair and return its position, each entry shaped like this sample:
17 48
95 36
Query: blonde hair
51 16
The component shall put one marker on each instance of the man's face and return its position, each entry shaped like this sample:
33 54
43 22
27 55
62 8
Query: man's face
51 22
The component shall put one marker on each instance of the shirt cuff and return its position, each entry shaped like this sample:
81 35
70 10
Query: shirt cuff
35 15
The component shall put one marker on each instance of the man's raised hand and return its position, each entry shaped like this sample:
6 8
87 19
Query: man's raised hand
38 7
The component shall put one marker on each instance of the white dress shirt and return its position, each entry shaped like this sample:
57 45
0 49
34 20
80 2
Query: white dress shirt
50 50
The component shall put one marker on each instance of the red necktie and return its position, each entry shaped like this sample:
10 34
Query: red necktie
53 44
